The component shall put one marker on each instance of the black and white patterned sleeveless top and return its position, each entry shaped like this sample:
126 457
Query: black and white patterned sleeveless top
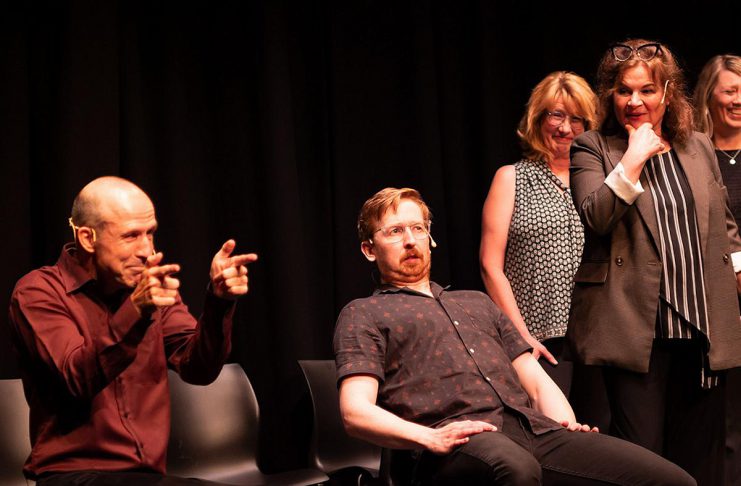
544 248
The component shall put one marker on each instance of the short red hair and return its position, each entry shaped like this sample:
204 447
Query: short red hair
374 208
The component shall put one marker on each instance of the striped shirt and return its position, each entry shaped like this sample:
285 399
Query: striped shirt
683 307
683 312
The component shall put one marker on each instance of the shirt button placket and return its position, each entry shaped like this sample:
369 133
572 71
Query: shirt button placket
122 394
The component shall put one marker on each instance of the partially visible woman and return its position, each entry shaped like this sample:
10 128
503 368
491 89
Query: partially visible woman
532 239
655 298
718 114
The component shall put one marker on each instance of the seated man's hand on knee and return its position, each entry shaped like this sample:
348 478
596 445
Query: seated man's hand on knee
445 439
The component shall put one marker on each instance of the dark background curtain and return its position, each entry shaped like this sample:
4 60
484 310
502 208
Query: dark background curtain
271 122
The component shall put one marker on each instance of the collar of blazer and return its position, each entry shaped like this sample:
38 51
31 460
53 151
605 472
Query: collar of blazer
695 169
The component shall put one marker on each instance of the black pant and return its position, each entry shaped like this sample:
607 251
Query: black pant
667 411
123 478
733 427
515 456
562 373
583 385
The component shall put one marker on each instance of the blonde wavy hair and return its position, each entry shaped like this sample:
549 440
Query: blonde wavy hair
706 84
569 88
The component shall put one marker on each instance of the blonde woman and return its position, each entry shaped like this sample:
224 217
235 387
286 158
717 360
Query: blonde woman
532 239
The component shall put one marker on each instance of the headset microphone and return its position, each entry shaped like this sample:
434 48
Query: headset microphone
432 242
664 96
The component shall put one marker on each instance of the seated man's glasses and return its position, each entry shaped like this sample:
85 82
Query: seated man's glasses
394 233
556 119
644 52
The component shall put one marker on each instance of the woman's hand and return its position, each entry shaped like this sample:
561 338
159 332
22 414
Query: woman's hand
643 143
540 350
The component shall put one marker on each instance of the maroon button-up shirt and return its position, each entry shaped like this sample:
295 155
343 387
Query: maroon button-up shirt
95 373
438 359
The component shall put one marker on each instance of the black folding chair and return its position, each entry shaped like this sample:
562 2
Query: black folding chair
15 442
214 433
342 457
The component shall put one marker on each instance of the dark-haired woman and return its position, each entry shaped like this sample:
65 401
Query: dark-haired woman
655 298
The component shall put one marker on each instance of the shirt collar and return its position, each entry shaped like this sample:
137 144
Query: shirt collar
73 274
392 289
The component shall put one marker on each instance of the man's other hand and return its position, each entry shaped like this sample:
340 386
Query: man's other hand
577 427
229 273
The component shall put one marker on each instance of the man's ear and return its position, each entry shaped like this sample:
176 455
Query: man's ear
368 250
86 238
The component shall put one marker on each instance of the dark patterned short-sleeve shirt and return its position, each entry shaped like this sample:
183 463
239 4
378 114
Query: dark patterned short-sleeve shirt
438 359
544 247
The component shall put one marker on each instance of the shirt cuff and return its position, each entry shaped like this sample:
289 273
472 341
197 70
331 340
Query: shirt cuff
736 259
621 185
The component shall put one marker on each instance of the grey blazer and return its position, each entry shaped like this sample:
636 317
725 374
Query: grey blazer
616 294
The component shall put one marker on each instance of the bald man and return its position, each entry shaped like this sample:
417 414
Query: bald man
96 333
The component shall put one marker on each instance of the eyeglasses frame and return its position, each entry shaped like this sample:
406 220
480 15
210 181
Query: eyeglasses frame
427 225
550 114
634 51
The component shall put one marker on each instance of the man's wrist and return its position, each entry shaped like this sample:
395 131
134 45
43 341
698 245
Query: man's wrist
425 438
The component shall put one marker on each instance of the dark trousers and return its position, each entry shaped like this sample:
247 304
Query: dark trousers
124 478
562 373
588 397
583 385
667 411
515 456
733 427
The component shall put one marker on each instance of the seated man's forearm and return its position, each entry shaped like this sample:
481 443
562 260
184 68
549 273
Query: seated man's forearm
385 429
366 420
544 394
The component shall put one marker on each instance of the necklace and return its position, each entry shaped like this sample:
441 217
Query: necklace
731 158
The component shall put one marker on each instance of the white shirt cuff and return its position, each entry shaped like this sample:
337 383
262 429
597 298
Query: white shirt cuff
736 259
621 185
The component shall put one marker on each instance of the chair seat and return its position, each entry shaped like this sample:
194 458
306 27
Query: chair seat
298 477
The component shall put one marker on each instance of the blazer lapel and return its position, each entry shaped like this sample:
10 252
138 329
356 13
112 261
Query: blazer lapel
644 204
694 171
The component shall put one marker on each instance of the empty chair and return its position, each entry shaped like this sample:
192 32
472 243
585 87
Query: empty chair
214 433
15 444
332 450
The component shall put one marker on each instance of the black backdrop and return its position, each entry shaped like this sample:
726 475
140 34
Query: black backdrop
271 122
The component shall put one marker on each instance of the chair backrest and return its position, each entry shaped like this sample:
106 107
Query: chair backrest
214 428
332 449
15 443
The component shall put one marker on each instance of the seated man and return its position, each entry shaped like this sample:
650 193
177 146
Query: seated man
446 373
96 332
